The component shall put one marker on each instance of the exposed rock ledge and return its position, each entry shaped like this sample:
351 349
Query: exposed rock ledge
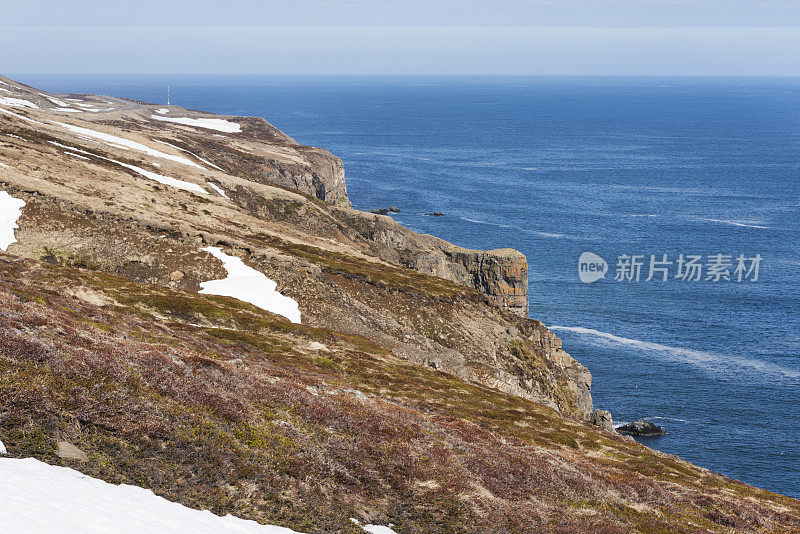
501 274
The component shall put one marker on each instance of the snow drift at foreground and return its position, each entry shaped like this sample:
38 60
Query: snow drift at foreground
10 211
42 499
246 284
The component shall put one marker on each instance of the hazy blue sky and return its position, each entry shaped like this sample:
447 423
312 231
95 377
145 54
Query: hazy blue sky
414 36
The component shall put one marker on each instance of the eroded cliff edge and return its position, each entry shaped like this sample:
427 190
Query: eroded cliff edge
239 183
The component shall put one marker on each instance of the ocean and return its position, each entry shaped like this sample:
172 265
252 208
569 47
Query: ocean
623 167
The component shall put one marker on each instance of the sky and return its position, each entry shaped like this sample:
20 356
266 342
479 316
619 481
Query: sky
626 37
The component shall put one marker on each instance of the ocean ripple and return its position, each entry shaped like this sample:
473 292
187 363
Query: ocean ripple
708 361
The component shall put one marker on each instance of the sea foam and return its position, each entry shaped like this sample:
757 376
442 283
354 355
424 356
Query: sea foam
708 361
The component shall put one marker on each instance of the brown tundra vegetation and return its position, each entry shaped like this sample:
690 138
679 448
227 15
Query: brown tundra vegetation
219 405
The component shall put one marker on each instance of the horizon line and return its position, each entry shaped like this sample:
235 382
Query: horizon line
441 75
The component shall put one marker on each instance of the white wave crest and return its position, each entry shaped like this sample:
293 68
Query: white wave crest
485 222
534 232
734 223
708 361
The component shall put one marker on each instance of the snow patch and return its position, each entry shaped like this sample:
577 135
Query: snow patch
20 117
75 155
246 284
47 498
121 141
10 211
67 110
160 178
162 111
218 189
91 108
192 153
3 450
56 101
17 102
373 529
213 124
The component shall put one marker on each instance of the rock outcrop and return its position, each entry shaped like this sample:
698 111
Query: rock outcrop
502 274
602 419
642 428
67 451
310 170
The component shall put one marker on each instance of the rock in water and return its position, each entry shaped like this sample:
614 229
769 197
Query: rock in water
394 209
602 419
68 451
641 427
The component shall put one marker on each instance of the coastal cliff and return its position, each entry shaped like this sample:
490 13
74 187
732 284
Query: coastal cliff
264 154
242 184
500 274
410 387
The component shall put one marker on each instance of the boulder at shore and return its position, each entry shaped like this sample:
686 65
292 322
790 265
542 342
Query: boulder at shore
602 419
641 427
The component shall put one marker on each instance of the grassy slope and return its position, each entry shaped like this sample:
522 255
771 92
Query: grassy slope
241 416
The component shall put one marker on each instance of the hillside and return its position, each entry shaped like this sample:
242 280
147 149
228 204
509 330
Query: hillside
399 381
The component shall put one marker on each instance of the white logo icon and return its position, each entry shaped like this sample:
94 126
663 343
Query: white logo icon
591 267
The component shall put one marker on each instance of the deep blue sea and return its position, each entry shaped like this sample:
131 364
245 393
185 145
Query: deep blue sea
615 166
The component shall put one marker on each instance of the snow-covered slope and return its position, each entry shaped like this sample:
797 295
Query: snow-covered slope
38 498
10 211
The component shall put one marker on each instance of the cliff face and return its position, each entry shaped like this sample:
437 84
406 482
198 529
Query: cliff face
502 274
266 155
